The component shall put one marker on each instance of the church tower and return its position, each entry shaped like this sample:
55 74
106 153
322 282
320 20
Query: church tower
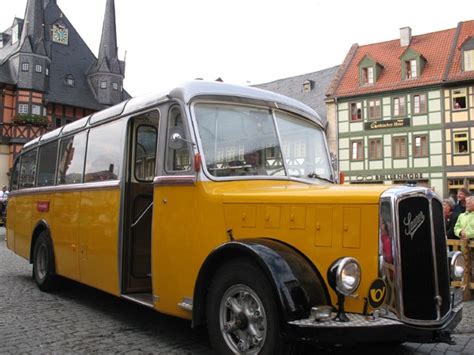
107 74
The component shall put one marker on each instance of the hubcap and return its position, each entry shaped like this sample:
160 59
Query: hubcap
243 320
42 261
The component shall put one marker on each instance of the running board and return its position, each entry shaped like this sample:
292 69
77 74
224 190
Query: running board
145 299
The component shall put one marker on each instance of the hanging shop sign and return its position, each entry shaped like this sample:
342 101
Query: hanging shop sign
387 124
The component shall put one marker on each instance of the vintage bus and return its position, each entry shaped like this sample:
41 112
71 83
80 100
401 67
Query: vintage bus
218 204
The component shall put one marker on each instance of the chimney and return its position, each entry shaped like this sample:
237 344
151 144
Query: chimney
405 36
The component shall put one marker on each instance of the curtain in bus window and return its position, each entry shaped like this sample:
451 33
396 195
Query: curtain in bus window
71 159
47 164
105 152
28 169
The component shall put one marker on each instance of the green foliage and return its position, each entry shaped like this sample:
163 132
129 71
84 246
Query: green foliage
33 120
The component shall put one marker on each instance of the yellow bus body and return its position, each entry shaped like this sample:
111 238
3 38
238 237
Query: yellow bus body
321 222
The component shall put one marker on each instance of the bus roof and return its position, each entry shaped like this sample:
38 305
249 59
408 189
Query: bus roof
186 93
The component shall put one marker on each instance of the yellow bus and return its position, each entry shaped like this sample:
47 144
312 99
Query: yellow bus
218 204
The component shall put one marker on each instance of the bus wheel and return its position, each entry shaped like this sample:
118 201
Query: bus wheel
242 313
43 263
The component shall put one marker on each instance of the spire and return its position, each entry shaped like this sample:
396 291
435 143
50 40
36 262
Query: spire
108 41
33 27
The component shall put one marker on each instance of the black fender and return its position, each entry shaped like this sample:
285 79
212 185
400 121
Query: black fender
296 283
40 226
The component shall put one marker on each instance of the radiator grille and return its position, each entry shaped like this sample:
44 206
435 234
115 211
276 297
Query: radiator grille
423 259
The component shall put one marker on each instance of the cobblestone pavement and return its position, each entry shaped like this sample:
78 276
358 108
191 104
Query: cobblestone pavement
80 319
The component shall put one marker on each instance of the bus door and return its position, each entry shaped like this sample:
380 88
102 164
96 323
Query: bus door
138 207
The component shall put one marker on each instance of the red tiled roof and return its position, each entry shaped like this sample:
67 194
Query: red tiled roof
435 47
455 72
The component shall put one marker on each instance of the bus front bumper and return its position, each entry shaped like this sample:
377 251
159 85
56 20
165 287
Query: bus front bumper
366 329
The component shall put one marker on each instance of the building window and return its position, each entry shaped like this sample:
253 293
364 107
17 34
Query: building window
356 111
46 71
459 99
103 85
375 109
399 107
69 80
25 66
469 60
36 110
115 86
307 86
419 104
23 108
368 75
399 145
38 68
461 142
411 69
420 146
357 150
375 149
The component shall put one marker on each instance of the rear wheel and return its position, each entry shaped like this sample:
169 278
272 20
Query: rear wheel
43 263
242 312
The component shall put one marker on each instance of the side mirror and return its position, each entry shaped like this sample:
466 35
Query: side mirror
176 140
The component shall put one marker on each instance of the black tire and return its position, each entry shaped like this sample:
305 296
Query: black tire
44 272
246 279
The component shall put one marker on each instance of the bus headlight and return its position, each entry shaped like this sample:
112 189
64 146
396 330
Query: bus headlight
344 276
456 265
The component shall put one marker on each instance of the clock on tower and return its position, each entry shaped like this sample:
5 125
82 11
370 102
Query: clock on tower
60 34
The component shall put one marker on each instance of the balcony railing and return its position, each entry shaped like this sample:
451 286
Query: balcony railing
13 133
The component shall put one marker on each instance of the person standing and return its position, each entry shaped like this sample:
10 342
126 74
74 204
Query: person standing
450 217
464 228
461 204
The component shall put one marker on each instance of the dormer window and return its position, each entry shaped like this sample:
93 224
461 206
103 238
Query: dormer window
468 60
467 54
15 32
307 86
368 75
411 70
412 63
369 71
69 80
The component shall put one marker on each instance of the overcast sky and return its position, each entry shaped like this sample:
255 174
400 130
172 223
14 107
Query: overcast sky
244 41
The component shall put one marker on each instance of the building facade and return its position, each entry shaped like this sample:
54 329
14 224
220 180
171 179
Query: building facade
405 108
50 77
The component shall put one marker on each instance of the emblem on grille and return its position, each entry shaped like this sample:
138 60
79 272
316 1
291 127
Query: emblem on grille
412 225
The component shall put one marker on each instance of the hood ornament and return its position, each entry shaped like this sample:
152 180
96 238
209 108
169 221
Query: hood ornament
412 225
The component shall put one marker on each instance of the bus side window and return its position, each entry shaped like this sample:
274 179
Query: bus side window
15 175
71 159
145 151
48 155
178 159
28 169
105 152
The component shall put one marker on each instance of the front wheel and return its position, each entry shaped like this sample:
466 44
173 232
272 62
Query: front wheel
43 263
242 312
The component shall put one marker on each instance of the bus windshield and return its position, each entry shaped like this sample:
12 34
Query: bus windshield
242 140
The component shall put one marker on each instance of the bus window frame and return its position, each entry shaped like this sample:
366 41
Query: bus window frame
56 164
36 168
156 129
164 171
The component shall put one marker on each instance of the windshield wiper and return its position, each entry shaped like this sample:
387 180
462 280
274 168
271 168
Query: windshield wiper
313 175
